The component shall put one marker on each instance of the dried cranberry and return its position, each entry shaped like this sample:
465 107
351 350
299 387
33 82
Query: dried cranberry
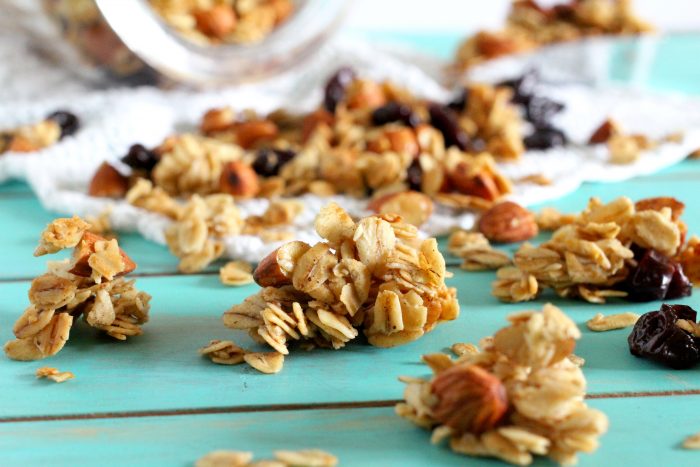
268 162
67 121
651 278
459 103
395 112
335 87
140 158
414 175
680 285
445 120
524 86
540 110
656 336
545 138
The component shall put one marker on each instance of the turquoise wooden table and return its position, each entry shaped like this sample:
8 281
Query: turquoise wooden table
153 401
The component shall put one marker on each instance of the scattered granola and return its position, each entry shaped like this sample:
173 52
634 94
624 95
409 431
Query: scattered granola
304 457
601 322
619 249
530 26
692 442
229 353
54 374
476 251
520 395
374 275
626 148
236 273
29 138
226 21
88 285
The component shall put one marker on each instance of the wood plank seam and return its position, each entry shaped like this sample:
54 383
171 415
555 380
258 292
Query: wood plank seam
295 407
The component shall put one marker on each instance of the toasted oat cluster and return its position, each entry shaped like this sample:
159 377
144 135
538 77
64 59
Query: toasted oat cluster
530 26
40 135
88 285
519 396
305 457
211 22
374 275
619 249
53 374
366 138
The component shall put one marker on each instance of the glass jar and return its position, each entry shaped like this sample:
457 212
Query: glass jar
129 41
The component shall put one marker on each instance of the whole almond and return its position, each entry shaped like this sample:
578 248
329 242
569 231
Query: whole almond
603 133
508 222
217 120
239 179
216 22
108 182
660 202
314 120
250 133
400 140
470 399
481 184
275 270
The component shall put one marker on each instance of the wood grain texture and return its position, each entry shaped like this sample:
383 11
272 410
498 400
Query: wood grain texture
363 437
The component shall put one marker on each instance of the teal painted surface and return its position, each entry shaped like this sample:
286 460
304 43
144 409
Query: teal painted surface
162 370
14 187
359 437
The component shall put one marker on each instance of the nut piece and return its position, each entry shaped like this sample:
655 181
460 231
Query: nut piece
216 22
660 202
249 133
508 222
239 179
365 94
83 251
413 207
604 132
470 399
275 270
320 117
216 120
108 183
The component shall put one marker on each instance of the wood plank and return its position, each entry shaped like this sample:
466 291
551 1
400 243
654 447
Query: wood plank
162 371
365 437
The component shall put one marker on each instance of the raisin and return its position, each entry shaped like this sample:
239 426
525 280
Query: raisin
140 158
459 103
545 138
67 121
655 336
446 121
540 110
335 87
523 87
414 175
268 162
656 277
395 112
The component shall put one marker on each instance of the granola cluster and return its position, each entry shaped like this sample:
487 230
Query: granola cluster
90 284
305 457
619 249
519 396
626 148
211 22
40 135
530 26
374 275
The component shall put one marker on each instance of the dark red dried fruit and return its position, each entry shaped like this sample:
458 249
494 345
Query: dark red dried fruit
446 121
141 158
523 87
395 112
656 277
414 175
545 138
335 87
459 103
67 121
655 336
269 161
540 110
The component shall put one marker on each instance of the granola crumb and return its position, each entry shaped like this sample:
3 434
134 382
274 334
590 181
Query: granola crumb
692 442
282 458
236 273
223 352
54 374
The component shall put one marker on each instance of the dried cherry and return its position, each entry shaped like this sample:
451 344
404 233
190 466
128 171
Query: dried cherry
395 112
268 162
545 137
447 122
141 158
655 336
524 86
67 121
335 87
656 277
540 110
414 175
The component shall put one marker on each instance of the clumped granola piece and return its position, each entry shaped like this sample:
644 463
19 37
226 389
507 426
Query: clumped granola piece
374 275
223 352
601 322
88 285
54 374
196 236
476 251
518 397
619 249
286 458
39 135
236 273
